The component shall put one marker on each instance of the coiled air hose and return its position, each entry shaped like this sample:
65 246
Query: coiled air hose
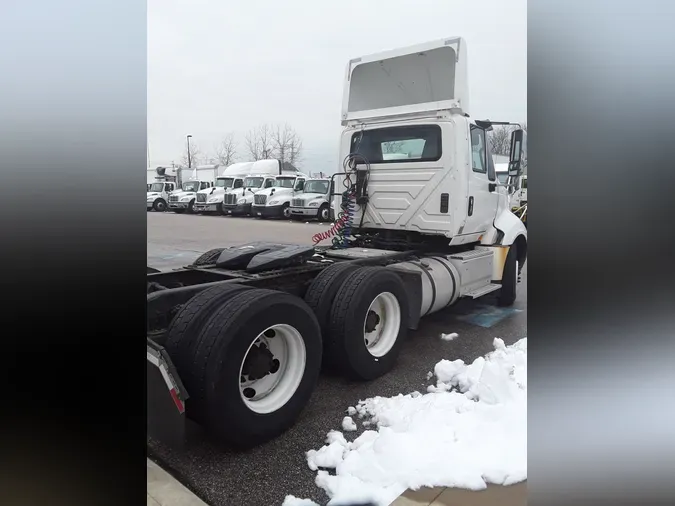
342 228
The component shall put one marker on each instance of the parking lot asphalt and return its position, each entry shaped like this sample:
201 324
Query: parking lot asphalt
265 475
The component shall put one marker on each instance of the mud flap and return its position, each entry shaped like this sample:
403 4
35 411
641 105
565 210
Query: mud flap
166 398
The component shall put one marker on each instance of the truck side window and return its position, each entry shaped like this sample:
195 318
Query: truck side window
478 150
238 183
269 183
300 184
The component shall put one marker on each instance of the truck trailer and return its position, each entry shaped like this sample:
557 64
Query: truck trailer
236 340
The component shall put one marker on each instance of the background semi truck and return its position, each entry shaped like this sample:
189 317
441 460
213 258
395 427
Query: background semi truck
313 202
239 202
163 184
518 191
275 202
200 178
261 176
236 340
210 200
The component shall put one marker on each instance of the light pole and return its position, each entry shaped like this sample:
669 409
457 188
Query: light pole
188 147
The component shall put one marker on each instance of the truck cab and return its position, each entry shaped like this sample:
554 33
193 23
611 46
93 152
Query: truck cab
313 201
158 195
183 200
210 200
239 202
275 202
421 167
521 191
261 175
517 191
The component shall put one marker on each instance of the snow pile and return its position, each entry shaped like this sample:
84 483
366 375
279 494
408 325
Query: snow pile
470 429
348 424
449 337
291 500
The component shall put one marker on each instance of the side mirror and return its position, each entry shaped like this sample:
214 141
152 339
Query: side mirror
518 153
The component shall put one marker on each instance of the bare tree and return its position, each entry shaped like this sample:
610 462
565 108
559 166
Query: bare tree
197 157
259 142
500 139
392 147
274 141
226 151
286 144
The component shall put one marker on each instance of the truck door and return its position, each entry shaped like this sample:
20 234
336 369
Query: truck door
483 196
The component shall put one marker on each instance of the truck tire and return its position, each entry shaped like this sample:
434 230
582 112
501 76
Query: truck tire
191 207
368 323
286 211
159 205
184 330
208 258
257 364
324 213
321 293
507 293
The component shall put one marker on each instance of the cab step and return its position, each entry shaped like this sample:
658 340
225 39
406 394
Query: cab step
479 292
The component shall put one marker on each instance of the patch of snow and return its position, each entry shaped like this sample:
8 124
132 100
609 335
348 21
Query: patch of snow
348 424
430 375
291 500
469 430
351 410
449 337
329 455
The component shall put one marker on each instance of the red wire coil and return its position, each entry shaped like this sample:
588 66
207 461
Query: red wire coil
331 232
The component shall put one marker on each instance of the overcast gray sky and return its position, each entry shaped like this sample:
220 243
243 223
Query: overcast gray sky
218 66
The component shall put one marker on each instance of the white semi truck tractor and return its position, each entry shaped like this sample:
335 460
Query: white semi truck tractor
163 184
210 200
236 339
518 191
313 202
261 176
200 178
275 202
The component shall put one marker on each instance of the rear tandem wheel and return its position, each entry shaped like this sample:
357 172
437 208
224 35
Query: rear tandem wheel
250 364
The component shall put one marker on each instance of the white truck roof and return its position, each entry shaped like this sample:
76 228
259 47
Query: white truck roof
292 174
237 169
424 78
272 167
